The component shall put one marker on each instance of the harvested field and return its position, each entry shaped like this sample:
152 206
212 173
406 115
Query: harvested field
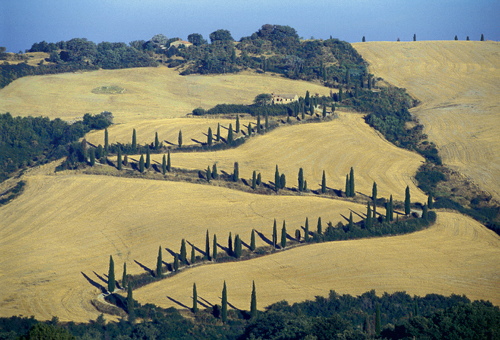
332 146
458 83
150 93
455 256
66 224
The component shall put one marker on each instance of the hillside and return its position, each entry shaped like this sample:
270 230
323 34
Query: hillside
150 93
455 256
458 84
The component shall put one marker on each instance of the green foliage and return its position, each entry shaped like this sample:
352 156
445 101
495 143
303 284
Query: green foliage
207 246
301 180
283 236
183 252
407 201
148 159
124 277
319 228
134 139
141 164
214 249
237 247
254 180
224 304
111 275
159 264
253 302
195 299
352 189
209 137
42 331
236 172
323 183
275 234
230 137
179 139
252 240
306 230
164 165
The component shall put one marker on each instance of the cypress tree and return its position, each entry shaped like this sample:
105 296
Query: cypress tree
253 302
214 249
208 174
249 129
164 165
425 212
169 164
456 38
224 304
92 157
193 255
179 139
368 220
252 240
236 172
301 180
207 246
347 186
111 275
124 277
230 244
176 262
307 100
83 147
351 223
303 114
237 124
378 326
254 180
275 235
333 108
283 235
320 226
215 174
374 198
414 37
305 185
324 111
482 37
430 202
341 95
363 39
209 137
157 141
407 201
134 140
297 235
148 158
195 299
282 181
391 209
237 246
230 138
130 304
323 183
277 179
106 140
259 179
125 160
217 136
351 183
306 230
141 164
183 254
259 129
159 271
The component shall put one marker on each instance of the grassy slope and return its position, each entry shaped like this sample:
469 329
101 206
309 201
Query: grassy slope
458 84
457 255
331 146
150 93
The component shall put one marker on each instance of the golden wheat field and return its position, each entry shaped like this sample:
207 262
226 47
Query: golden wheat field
333 146
67 224
458 83
455 256
150 93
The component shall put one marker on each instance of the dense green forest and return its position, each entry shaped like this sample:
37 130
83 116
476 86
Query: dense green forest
367 316
27 141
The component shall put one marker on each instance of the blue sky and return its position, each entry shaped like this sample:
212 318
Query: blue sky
24 22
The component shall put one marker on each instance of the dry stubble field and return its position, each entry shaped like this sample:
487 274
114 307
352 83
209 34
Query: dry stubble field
150 93
458 83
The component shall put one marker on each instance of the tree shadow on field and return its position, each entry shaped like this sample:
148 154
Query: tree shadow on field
226 249
204 253
173 253
168 265
177 302
167 142
358 214
101 278
206 301
150 271
243 243
310 232
264 238
203 304
95 284
197 141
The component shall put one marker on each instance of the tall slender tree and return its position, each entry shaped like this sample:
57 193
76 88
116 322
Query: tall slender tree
125 160
374 199
215 173
134 139
157 141
369 214
283 235
169 163
208 174
237 124
259 179
193 255
407 201
430 202
92 156
351 222
195 299
252 240
106 140
282 181
130 304
259 128
425 212
306 230
124 277
230 244
217 135
159 264
253 302
209 137
301 180
351 183
183 253
254 180
320 227
148 158
236 172
179 139
176 262
277 179
324 111
141 164
230 138
164 165
323 183
223 313
237 246
391 209
207 246
111 275
414 37
119 160
250 129
275 235
482 37
378 325
347 186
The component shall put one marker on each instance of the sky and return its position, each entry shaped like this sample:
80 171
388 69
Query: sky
24 22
